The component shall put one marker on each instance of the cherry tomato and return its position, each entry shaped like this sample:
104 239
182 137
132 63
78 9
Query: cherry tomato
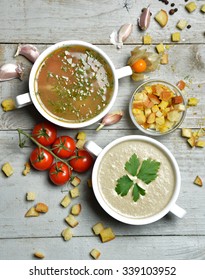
139 66
41 159
64 146
45 133
82 162
59 173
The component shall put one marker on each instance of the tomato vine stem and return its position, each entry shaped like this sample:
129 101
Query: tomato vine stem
21 145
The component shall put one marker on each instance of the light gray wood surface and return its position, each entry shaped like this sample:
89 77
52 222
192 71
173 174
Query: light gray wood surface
43 23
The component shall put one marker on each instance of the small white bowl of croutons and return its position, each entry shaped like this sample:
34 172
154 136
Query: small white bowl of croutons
157 107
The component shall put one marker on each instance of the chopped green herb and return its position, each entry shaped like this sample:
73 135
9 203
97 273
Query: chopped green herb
132 165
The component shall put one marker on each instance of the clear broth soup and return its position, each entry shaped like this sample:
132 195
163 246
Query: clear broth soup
74 84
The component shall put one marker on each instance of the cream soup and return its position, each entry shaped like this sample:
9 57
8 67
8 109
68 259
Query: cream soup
157 193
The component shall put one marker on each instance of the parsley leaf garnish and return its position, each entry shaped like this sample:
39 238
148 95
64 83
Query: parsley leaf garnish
147 173
132 165
123 185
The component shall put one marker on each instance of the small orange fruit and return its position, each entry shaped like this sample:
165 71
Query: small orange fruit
139 66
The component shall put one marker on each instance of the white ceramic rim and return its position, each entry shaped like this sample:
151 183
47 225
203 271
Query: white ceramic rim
110 211
36 66
150 131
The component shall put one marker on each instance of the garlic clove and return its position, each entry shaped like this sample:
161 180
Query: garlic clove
144 20
117 38
29 51
110 118
11 71
123 33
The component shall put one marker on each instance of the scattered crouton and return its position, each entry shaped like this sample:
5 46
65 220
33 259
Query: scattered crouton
193 101
80 144
162 18
200 143
65 201
74 192
75 181
67 234
8 105
176 37
95 254
71 220
97 228
41 207
27 168
107 234
191 141
81 135
198 181
202 9
181 24
39 255
147 39
76 209
7 169
164 59
160 48
30 196
191 6
32 212
186 132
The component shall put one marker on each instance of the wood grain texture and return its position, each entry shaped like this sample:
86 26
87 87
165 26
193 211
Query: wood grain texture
93 21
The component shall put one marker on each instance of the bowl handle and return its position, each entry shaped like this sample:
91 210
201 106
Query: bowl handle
124 72
178 211
92 147
23 100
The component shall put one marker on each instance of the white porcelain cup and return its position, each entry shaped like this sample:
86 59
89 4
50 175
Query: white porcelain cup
170 207
31 97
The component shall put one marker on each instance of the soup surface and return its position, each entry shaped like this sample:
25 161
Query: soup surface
157 193
74 84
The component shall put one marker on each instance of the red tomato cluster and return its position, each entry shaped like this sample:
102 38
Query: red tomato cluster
64 147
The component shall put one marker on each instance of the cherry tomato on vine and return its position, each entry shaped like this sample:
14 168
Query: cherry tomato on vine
82 162
41 159
64 146
45 133
139 66
59 173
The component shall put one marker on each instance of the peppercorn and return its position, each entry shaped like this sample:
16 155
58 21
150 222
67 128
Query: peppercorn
172 5
175 10
188 26
172 11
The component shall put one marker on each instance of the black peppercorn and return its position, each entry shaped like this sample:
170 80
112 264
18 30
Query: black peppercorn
171 12
172 5
188 26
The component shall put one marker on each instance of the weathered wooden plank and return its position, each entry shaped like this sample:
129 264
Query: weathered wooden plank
183 63
129 248
90 20
13 205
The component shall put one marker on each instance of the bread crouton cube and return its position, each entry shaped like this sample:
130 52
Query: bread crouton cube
76 209
191 6
97 228
147 39
71 220
200 143
191 141
27 168
164 59
160 48
75 181
176 37
30 196
107 234
39 255
65 201
181 24
8 105
7 169
95 254
202 9
192 101
81 135
67 234
186 132
74 192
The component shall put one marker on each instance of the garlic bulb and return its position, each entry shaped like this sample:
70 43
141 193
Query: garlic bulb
11 71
